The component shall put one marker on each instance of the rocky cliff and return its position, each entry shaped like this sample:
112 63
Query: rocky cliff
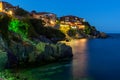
20 52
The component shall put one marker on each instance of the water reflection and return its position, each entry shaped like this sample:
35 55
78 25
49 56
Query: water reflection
79 63
96 59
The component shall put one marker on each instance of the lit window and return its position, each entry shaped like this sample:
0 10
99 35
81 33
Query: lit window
10 12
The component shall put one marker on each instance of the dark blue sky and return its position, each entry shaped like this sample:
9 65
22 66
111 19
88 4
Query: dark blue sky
104 14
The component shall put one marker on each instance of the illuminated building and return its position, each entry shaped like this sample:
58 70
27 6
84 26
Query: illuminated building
48 18
72 21
7 8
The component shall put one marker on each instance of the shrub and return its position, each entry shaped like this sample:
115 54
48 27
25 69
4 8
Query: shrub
3 59
19 27
21 12
87 29
4 22
72 32
49 32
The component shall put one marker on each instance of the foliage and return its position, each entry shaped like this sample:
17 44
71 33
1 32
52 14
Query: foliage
87 30
49 32
3 59
58 21
6 75
37 23
21 12
93 28
40 47
19 27
11 75
72 32
4 22
86 23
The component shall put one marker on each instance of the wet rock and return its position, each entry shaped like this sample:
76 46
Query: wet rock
103 35
20 51
54 52
44 39
2 43
3 59
12 59
64 51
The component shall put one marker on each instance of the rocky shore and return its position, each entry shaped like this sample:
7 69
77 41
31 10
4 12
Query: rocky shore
22 52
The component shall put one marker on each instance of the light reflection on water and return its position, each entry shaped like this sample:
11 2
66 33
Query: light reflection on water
79 63
74 70
71 70
95 59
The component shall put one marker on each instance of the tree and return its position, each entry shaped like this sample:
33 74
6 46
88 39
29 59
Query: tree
21 12
87 30
19 27
49 32
4 22
72 32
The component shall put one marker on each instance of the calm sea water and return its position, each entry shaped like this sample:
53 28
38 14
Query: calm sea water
94 59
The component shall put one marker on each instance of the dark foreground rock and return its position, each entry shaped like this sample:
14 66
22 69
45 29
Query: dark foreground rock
23 52
103 35
3 60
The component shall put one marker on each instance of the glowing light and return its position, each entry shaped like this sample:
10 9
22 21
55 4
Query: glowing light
0 9
52 22
81 26
19 27
79 63
10 12
73 27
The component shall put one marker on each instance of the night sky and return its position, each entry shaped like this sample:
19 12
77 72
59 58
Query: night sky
104 14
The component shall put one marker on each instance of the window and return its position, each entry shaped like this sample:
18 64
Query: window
66 18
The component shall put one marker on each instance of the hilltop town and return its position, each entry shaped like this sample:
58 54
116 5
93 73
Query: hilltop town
72 26
30 39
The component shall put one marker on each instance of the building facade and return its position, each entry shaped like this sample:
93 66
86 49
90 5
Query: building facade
7 8
72 22
48 18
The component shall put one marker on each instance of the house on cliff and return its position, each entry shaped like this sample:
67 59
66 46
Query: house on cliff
47 17
7 8
72 22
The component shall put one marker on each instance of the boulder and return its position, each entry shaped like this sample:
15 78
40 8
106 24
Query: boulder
12 59
22 51
2 43
44 39
54 52
25 51
3 59
64 51
103 35
49 53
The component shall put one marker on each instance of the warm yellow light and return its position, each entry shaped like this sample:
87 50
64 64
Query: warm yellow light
10 12
52 22
0 9
81 26
73 27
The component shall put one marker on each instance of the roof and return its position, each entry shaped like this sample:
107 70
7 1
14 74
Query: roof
71 16
6 4
42 13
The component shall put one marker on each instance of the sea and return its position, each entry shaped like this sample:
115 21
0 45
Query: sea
93 59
